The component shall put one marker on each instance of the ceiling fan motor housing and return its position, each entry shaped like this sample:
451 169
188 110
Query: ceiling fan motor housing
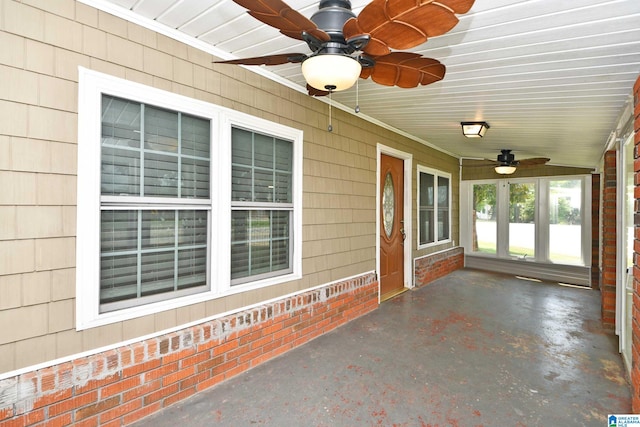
331 16
506 157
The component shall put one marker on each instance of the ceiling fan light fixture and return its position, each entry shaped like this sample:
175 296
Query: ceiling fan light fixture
331 71
505 169
474 129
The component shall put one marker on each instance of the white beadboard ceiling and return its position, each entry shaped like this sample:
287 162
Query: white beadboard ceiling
551 77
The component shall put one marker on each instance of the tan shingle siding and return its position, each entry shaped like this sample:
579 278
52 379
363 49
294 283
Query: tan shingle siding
45 42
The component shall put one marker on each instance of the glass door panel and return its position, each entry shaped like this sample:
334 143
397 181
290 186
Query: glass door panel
484 218
565 218
522 225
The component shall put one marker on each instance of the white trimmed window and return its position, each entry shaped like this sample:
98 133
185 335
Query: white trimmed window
261 206
434 207
154 203
531 219
179 201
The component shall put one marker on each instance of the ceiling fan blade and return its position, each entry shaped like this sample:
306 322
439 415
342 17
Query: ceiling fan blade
316 92
283 58
404 69
404 24
354 28
279 15
535 161
480 163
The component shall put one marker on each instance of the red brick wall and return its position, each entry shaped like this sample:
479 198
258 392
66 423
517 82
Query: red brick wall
609 247
635 356
433 266
595 231
122 385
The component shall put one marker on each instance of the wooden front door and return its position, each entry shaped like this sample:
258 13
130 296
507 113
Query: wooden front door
391 231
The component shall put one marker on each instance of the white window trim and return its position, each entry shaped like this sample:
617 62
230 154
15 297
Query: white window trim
232 119
92 85
436 173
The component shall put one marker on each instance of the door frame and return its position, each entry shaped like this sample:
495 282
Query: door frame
623 275
407 159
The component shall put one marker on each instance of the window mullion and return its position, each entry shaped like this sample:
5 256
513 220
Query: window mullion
179 155
139 257
271 239
253 167
436 197
541 220
142 139
273 170
250 241
273 198
260 206
175 250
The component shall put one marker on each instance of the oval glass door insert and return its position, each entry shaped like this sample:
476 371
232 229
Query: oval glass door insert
388 205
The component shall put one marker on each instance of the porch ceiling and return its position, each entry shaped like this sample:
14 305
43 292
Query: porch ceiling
551 77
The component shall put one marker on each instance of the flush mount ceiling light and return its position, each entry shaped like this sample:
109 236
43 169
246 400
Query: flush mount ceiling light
331 72
474 129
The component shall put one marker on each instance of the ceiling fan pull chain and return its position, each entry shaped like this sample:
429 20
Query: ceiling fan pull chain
330 88
330 128
357 109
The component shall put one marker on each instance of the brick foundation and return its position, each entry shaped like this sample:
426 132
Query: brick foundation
125 384
434 266
609 244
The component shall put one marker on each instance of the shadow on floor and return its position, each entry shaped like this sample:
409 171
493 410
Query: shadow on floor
471 349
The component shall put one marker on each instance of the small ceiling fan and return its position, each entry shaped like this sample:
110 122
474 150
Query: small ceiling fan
345 46
506 162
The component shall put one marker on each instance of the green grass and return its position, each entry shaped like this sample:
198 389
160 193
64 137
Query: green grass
488 248
521 251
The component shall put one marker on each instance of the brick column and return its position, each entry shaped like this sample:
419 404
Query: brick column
609 247
595 231
635 349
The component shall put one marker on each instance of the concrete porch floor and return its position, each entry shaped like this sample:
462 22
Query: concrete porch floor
471 349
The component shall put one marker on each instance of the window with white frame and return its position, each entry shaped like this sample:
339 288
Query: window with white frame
261 205
434 206
535 219
154 203
179 201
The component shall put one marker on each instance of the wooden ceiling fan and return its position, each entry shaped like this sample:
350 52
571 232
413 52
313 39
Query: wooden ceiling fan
364 43
506 162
